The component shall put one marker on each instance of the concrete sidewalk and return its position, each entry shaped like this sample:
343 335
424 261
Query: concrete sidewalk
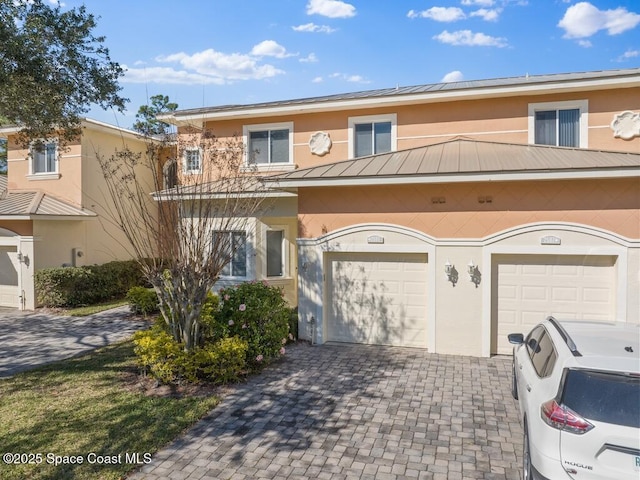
30 339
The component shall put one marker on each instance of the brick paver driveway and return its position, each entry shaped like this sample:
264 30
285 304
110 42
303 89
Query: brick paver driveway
357 412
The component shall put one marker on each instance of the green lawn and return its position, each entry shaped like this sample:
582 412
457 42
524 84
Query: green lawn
91 309
79 407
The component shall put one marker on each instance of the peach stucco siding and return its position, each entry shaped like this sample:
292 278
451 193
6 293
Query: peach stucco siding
612 205
502 119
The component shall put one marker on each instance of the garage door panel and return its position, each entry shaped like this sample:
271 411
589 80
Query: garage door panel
377 298
531 287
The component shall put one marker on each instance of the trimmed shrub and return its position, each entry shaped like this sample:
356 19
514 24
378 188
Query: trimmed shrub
77 286
143 301
160 356
258 314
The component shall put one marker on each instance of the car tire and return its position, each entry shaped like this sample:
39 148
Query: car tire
527 469
514 381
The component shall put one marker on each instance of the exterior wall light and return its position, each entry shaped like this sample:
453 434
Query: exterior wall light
451 273
474 273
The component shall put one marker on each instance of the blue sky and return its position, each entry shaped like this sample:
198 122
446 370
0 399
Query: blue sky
216 52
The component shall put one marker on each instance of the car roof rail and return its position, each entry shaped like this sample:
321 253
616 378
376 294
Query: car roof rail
565 336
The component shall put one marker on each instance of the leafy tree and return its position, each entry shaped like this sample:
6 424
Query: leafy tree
147 122
52 68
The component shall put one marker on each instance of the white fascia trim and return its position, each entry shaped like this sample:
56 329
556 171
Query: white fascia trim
15 217
222 196
459 178
427 97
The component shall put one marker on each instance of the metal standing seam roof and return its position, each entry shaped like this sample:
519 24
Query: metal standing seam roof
463 156
22 203
398 92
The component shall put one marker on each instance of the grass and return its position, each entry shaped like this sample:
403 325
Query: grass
97 308
79 406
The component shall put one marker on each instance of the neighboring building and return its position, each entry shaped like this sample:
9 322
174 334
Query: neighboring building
446 216
55 209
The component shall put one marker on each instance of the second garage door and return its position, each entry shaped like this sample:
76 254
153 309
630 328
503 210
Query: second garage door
377 298
531 287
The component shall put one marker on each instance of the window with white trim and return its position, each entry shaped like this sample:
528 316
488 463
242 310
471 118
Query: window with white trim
192 160
235 244
372 134
275 248
44 157
269 144
561 124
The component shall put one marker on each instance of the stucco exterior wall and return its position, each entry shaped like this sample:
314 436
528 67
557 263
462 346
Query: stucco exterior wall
497 119
612 205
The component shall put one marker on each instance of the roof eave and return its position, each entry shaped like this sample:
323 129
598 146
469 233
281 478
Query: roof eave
571 174
475 93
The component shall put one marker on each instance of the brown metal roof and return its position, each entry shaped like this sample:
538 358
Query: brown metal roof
463 157
35 203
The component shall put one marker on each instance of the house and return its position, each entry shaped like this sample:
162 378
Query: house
445 216
55 207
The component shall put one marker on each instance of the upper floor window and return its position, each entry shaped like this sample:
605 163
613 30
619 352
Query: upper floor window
269 145
371 135
192 160
562 124
44 157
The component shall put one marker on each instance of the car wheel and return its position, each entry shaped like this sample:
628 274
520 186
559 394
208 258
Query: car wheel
526 457
514 381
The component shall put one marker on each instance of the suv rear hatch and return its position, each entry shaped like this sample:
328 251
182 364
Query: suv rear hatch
604 408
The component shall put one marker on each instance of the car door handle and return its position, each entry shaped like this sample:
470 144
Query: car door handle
528 387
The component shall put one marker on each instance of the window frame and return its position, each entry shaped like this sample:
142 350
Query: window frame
230 263
187 171
381 118
261 127
285 252
46 175
583 127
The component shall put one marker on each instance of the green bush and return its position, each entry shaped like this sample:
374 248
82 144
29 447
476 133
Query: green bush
77 286
159 355
256 313
143 301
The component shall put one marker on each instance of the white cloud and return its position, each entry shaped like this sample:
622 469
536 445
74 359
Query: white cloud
311 58
482 3
468 38
454 76
313 28
167 75
222 66
585 43
490 15
331 8
350 78
584 20
270 48
317 80
439 14
629 54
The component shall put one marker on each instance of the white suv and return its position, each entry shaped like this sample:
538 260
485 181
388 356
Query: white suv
578 386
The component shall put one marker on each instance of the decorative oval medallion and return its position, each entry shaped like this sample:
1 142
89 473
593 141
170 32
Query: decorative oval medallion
626 125
320 143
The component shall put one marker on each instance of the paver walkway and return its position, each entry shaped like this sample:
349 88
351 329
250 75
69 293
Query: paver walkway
31 339
357 412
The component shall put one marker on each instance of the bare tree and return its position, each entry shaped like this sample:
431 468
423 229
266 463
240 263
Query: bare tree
183 235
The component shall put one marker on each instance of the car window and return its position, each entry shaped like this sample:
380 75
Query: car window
603 396
544 356
532 340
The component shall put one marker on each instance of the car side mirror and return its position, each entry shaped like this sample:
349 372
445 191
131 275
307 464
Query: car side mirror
516 338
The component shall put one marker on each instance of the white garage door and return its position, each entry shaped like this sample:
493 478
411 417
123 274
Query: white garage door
377 299
569 287
9 291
